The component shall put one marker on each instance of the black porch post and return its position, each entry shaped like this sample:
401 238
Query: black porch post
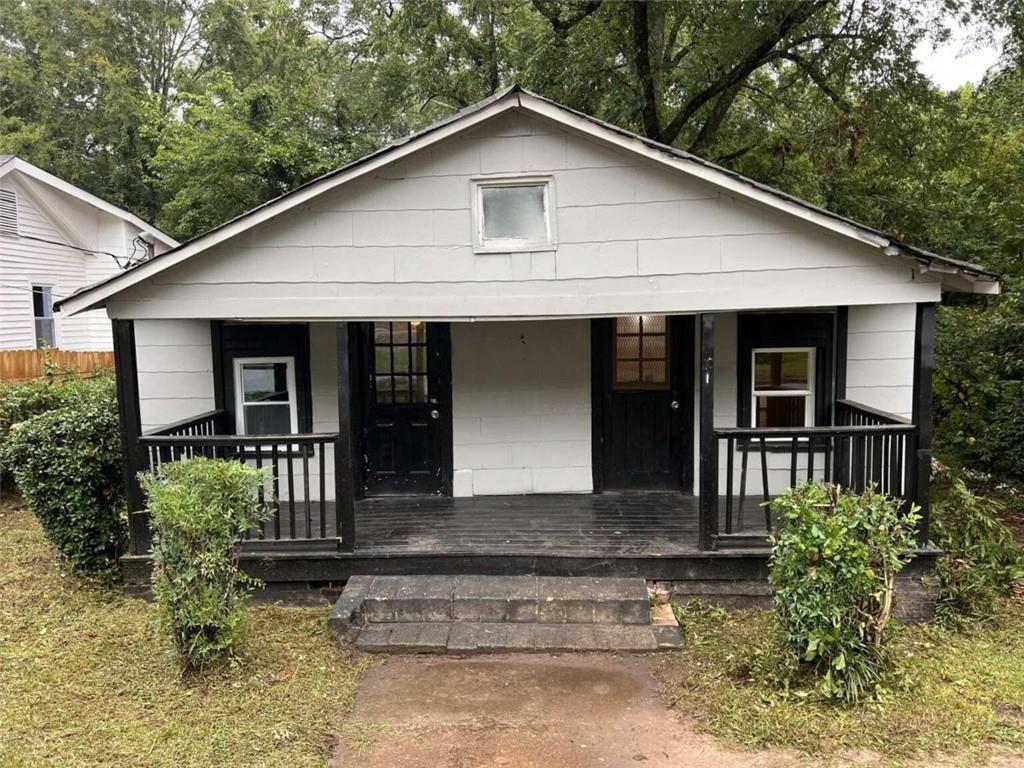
127 377
344 493
919 471
708 523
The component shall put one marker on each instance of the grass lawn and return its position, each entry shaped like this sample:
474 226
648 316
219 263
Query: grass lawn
86 678
963 694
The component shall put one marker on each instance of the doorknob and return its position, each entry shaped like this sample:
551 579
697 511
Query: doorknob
435 414
674 405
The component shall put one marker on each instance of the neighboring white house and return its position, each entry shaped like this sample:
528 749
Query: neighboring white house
525 301
56 238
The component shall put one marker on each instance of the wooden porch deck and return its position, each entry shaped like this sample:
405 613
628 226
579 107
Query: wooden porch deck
631 524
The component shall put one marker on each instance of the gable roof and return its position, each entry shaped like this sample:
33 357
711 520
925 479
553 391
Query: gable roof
959 275
11 163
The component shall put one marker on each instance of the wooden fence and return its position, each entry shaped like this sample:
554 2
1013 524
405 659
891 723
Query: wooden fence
24 364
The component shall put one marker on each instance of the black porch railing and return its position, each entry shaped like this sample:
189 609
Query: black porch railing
866 447
297 464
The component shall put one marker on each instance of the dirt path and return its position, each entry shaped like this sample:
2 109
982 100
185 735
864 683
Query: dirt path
565 711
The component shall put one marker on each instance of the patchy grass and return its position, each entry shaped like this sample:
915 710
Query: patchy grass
87 679
962 694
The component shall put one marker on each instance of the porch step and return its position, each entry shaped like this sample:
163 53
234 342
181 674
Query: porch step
729 541
500 613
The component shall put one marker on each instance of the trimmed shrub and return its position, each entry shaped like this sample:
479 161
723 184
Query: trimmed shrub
67 464
198 511
833 566
981 559
23 400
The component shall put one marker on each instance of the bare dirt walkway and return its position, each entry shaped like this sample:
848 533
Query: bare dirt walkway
520 711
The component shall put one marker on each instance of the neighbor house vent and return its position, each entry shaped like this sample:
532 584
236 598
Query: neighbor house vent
8 212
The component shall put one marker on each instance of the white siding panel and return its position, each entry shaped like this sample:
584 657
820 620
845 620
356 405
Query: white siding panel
632 237
880 357
169 392
521 407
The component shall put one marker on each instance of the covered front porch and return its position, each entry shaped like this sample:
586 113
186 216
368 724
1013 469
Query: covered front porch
326 508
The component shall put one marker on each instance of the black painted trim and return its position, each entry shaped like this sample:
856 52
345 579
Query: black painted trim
708 519
217 352
127 380
842 338
600 395
344 495
443 331
924 365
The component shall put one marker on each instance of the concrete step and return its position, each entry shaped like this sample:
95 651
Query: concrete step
497 637
486 613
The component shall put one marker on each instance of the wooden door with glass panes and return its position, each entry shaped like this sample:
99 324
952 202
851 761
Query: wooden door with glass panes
647 403
406 416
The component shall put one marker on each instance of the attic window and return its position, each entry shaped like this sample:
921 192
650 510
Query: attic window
8 212
513 214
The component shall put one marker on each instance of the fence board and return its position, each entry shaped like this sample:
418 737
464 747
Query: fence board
25 364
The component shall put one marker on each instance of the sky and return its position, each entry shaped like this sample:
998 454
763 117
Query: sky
957 61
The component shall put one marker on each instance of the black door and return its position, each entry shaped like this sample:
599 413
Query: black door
643 365
407 408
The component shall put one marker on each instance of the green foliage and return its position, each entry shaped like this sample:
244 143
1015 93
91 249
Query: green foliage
67 464
981 558
834 561
198 511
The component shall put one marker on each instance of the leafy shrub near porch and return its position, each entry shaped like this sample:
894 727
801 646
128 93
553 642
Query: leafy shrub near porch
834 561
66 461
198 511
981 559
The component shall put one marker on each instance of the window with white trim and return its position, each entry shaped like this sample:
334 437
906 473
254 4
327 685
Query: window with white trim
265 397
513 214
42 313
783 387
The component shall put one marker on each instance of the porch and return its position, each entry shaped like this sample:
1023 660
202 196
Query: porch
653 478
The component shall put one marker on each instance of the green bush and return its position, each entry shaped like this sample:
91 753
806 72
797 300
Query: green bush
23 400
833 565
981 559
67 464
198 511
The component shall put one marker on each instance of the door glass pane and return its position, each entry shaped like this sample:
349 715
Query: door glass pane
399 333
382 385
514 213
401 359
382 333
418 332
641 351
419 389
782 411
268 419
382 360
402 394
419 359
264 382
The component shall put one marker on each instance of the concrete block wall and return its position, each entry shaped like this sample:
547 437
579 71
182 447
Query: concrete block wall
521 407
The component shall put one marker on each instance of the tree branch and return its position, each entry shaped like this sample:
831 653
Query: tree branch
642 61
551 10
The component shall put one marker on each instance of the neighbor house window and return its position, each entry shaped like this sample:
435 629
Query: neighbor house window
513 214
265 396
641 352
42 311
783 393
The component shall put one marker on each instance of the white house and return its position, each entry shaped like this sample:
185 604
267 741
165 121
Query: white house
56 238
526 340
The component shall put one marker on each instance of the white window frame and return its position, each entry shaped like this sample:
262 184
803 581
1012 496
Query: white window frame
513 245
808 394
293 396
51 317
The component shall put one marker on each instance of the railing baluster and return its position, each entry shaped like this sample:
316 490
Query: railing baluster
794 445
291 489
810 460
305 491
764 485
729 443
744 460
276 487
322 450
262 493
